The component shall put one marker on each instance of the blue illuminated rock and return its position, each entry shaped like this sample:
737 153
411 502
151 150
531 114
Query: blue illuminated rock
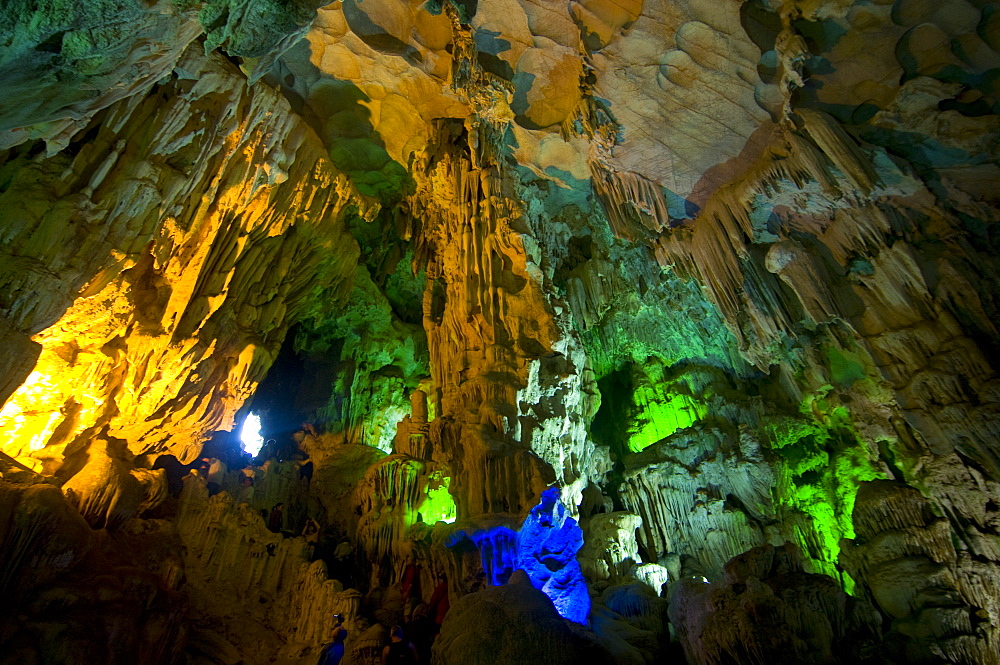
546 550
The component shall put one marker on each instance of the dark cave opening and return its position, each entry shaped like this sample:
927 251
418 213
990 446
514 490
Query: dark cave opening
610 424
294 388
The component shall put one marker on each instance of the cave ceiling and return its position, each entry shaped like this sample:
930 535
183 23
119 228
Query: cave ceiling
722 274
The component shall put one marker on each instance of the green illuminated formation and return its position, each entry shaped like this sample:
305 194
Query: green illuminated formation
660 413
647 347
439 506
376 338
845 367
822 462
671 321
666 361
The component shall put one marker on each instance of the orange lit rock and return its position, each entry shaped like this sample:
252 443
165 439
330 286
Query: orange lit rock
108 492
209 245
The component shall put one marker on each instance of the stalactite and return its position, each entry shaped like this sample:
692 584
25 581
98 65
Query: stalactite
719 265
186 294
705 529
635 206
395 495
489 306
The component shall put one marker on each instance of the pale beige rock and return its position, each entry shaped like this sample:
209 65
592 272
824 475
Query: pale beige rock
669 69
548 77
610 550
108 491
601 21
257 587
500 29
670 487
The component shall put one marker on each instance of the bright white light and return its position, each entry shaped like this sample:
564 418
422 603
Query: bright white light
250 434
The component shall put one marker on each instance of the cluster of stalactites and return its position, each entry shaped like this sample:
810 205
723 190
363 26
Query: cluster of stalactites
210 245
487 320
229 552
392 497
949 592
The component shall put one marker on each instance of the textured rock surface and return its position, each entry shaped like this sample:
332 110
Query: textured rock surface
254 593
939 598
63 62
725 276
767 608
513 623
201 251
80 596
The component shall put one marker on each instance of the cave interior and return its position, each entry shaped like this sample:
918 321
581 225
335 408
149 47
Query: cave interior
620 332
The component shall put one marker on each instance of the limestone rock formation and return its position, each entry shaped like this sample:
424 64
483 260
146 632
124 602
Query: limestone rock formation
709 289
74 595
944 605
253 593
511 623
767 608
213 236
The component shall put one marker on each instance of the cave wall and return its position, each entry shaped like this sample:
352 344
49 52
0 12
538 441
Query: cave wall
727 273
170 284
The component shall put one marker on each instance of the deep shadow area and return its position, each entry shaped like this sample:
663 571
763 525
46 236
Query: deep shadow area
295 386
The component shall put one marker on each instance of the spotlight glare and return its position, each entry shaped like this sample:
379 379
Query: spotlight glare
250 434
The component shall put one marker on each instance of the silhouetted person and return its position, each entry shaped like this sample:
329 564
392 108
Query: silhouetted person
202 466
410 584
175 472
340 564
311 533
421 631
440 604
334 651
274 522
267 451
399 651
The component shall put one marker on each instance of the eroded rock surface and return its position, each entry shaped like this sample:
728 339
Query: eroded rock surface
209 240
725 276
